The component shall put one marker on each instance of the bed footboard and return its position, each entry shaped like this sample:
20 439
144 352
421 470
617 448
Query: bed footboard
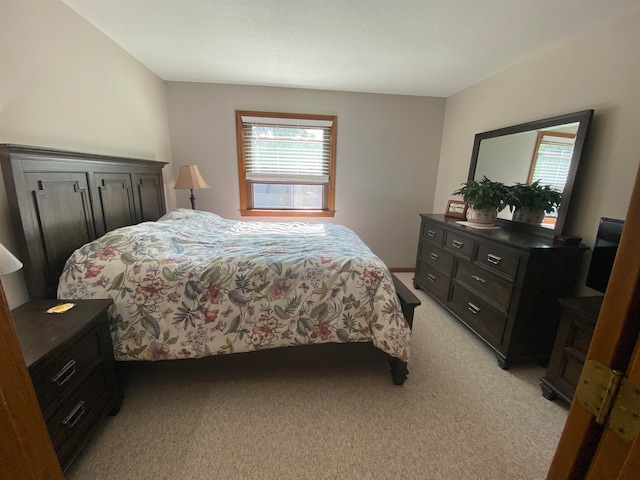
408 303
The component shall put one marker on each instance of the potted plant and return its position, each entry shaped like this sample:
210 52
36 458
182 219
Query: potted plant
485 198
532 201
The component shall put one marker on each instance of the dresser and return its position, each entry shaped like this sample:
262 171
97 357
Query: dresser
70 359
503 284
577 324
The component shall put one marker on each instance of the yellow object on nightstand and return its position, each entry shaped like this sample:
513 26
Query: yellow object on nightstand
63 307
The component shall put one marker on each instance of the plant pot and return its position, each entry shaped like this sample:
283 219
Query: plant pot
526 215
482 217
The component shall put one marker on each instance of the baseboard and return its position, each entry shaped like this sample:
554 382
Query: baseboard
402 269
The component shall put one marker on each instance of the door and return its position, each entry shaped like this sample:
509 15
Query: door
586 449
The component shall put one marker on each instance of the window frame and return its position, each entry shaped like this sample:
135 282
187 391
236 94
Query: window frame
246 192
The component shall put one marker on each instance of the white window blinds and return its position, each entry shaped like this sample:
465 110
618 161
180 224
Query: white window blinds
286 150
553 161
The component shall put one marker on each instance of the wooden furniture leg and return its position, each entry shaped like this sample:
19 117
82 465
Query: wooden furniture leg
408 303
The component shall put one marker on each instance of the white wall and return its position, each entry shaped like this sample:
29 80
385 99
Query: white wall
387 155
599 70
64 85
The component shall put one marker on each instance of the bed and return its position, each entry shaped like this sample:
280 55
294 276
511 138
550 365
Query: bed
193 284
189 284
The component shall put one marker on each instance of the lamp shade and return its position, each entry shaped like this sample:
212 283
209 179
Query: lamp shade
189 177
8 263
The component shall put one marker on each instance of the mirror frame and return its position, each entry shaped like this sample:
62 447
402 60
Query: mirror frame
584 118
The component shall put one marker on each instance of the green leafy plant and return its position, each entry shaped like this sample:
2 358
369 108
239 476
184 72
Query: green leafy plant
484 194
534 196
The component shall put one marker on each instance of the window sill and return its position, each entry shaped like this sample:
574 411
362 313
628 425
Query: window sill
287 213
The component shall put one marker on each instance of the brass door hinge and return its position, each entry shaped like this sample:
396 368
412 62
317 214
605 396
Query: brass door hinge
610 398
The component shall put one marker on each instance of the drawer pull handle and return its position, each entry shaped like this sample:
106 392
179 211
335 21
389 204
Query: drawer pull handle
457 243
491 258
473 308
431 277
431 233
65 374
478 279
75 415
434 257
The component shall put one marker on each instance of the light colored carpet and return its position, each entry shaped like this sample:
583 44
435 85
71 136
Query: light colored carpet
332 412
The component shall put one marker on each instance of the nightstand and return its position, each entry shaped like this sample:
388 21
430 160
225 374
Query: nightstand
70 359
577 324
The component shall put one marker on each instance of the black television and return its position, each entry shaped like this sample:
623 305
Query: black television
604 253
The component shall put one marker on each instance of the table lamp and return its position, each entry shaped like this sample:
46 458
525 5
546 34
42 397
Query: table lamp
8 263
189 177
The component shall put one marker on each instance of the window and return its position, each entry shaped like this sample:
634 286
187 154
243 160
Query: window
552 159
286 163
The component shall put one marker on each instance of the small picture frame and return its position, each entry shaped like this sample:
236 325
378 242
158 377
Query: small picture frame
456 209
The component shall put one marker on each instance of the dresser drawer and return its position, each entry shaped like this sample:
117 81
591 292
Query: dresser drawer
433 280
64 371
459 244
498 259
437 257
432 233
491 286
479 314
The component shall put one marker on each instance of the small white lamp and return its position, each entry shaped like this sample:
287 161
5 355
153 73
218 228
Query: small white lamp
189 177
8 263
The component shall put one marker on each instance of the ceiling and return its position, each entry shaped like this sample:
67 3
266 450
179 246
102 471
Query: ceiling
410 47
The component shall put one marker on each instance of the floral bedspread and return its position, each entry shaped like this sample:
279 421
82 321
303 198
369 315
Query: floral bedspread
194 284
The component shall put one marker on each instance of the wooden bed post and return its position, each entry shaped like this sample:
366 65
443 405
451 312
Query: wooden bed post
408 303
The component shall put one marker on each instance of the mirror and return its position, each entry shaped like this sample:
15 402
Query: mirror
547 150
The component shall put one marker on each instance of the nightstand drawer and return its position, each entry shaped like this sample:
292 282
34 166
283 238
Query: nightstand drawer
80 410
579 335
571 369
77 408
65 371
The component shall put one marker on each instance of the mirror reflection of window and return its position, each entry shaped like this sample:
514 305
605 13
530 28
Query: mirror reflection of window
550 164
552 159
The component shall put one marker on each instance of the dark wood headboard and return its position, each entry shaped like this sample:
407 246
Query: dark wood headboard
61 200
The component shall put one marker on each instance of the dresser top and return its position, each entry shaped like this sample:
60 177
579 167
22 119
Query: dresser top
500 234
39 332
